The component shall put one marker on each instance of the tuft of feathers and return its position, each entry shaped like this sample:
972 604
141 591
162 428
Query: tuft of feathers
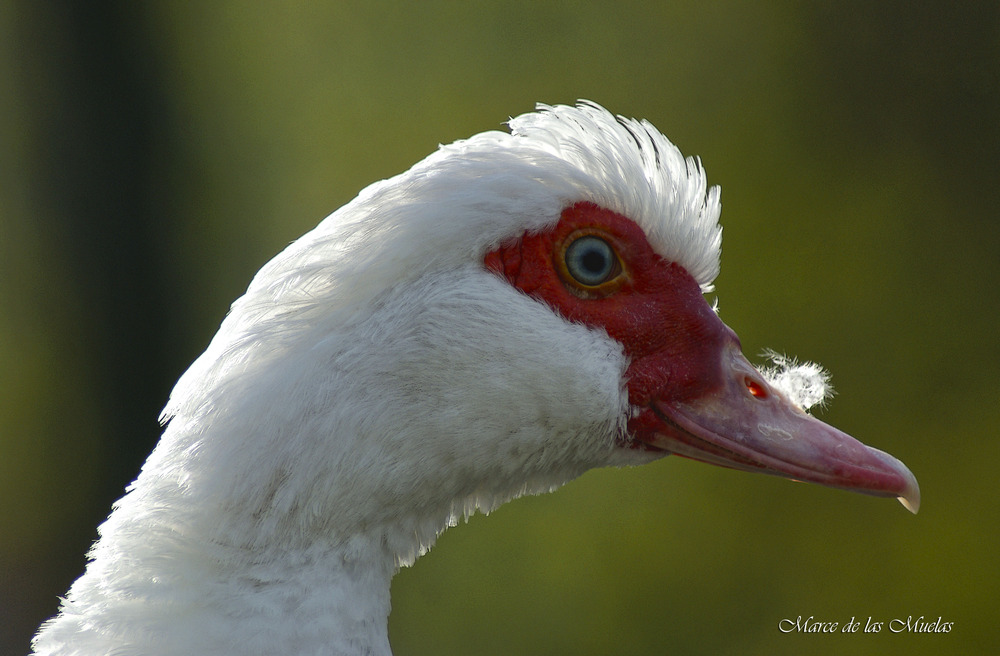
806 384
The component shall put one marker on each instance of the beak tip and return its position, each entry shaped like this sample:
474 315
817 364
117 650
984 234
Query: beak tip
910 498
912 504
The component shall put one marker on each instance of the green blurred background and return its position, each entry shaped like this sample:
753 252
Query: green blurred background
155 155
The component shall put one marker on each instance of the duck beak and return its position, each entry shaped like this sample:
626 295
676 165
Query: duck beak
741 422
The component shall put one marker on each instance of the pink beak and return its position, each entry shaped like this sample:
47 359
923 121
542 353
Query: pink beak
743 423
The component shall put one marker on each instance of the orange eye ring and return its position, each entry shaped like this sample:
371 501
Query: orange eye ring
588 263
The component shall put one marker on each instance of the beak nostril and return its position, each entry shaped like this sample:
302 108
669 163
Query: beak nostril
756 388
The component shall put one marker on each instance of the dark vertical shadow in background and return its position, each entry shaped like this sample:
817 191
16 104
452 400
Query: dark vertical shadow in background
95 145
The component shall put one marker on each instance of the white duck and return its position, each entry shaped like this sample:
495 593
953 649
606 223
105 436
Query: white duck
509 313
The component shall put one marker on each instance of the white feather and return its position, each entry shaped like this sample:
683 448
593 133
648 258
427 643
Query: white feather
806 384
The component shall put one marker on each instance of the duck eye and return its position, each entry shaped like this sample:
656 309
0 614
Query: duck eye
591 261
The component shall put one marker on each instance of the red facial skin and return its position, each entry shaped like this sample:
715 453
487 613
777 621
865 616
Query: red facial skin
654 308
695 393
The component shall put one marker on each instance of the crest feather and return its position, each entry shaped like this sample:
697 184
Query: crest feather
637 172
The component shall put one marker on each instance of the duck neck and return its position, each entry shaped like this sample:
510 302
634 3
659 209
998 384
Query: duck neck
331 599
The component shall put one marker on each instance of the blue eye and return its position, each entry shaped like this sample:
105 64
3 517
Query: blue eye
591 261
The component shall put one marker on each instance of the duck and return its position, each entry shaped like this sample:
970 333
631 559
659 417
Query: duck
514 310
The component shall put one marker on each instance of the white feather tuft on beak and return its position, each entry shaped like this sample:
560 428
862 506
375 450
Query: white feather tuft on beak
805 384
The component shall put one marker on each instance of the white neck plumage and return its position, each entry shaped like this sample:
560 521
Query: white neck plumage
329 599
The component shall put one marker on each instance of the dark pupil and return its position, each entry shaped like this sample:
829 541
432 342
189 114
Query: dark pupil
590 260
593 261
